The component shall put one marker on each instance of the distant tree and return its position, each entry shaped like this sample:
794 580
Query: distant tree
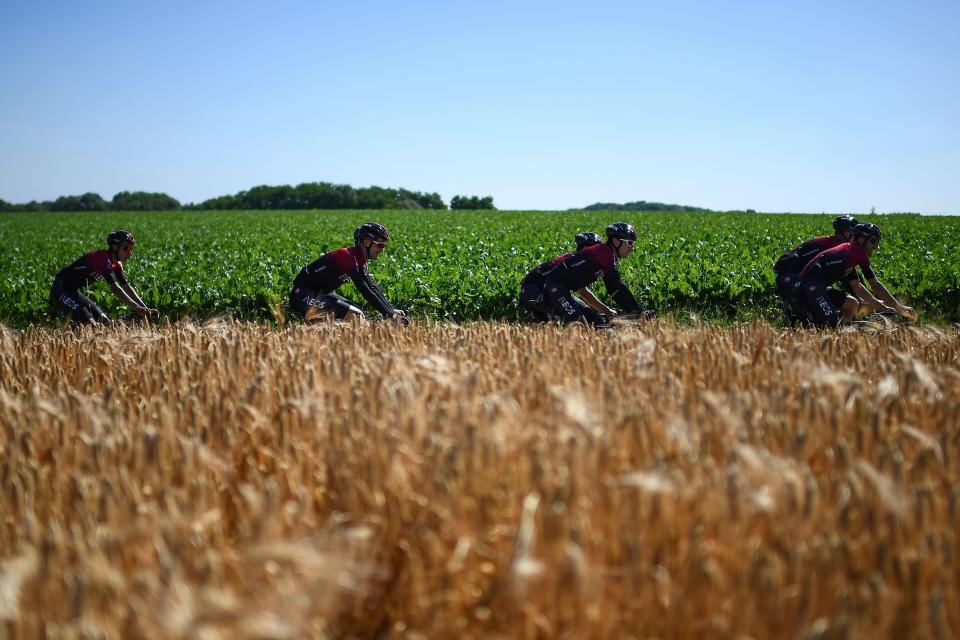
376 198
603 206
5 206
471 202
66 203
641 205
416 200
267 197
305 193
86 202
282 197
143 201
340 196
92 202
325 195
223 202
433 201
34 206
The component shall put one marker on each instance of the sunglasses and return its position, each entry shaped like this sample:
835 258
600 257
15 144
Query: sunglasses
629 243
379 245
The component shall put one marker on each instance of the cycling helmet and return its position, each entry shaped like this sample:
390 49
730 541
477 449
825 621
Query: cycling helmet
119 236
844 223
587 239
373 230
868 230
621 231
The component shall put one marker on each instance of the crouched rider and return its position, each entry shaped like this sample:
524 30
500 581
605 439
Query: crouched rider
532 296
107 265
313 297
826 306
583 268
790 263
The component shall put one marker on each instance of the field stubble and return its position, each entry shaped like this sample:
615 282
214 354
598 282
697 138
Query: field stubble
232 480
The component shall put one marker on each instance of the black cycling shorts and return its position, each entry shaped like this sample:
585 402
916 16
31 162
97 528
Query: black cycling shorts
307 303
532 299
569 307
75 306
785 283
823 303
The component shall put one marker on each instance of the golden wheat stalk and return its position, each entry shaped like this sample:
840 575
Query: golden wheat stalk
231 480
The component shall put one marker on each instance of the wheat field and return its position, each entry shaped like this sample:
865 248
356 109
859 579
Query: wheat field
233 480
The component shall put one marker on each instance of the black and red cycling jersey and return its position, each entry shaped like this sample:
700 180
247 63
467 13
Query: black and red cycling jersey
541 269
794 260
584 267
332 269
96 265
838 263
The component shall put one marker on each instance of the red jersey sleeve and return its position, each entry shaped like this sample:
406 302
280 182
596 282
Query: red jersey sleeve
603 255
344 261
862 260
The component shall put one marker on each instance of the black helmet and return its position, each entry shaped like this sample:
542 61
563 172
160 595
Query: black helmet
844 223
587 239
373 230
119 236
868 230
621 231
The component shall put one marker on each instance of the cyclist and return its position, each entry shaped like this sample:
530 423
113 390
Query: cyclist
827 307
313 297
791 262
105 264
532 286
585 267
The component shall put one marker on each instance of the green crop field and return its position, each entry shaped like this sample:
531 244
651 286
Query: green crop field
455 265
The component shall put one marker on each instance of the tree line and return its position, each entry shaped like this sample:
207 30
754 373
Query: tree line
123 201
308 195
642 205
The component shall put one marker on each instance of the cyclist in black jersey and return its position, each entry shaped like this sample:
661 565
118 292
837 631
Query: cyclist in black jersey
313 297
105 265
791 262
585 267
829 307
532 297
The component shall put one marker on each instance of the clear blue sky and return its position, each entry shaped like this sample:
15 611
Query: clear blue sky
775 106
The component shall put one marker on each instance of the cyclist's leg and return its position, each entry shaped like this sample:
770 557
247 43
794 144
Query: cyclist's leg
306 304
848 305
817 301
70 305
570 308
785 283
341 308
93 309
532 300
792 311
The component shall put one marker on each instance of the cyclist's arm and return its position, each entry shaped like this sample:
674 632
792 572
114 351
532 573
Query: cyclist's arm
863 294
620 293
595 302
888 298
369 290
128 288
125 298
